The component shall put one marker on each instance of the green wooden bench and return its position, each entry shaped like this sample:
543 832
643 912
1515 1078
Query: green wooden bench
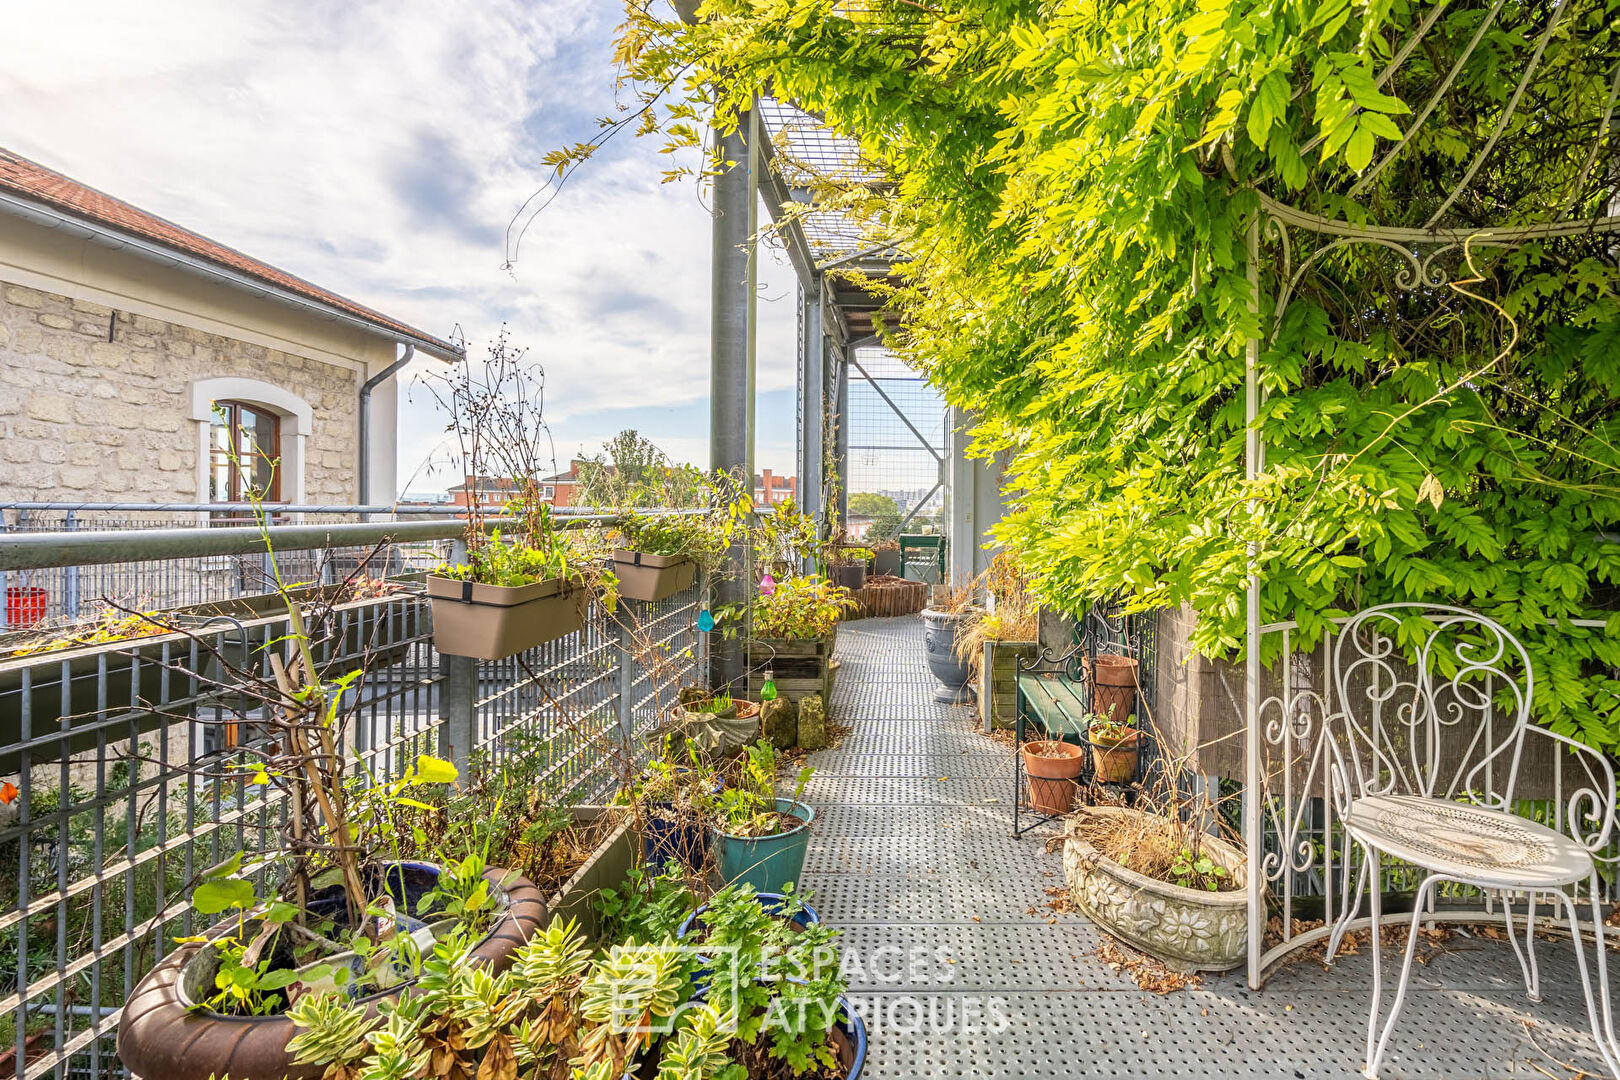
1055 701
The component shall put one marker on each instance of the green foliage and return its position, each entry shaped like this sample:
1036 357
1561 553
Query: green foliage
647 906
511 563
688 536
787 980
787 537
748 808
801 608
881 509
1198 871
1078 182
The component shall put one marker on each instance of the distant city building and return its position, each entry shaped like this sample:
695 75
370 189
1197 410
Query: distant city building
496 491
770 489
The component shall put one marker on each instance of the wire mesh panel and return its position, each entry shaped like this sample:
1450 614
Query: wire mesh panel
896 425
129 767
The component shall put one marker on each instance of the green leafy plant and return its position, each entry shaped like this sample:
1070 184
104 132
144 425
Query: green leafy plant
686 536
1196 870
647 907
749 807
801 608
788 985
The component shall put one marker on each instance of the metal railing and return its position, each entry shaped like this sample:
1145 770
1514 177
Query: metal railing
109 826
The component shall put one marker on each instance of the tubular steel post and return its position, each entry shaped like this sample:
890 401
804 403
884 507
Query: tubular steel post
1253 463
458 710
70 576
627 682
728 375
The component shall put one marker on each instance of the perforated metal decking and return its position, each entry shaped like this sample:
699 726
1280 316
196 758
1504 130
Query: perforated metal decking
961 970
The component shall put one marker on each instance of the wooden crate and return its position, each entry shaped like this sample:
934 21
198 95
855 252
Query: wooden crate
799 667
998 708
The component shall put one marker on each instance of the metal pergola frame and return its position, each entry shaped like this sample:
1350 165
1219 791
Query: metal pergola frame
1420 249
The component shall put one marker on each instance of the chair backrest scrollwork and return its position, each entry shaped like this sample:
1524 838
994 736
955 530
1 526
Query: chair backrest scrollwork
1431 700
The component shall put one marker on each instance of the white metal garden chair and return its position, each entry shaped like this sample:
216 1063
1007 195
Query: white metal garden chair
1426 766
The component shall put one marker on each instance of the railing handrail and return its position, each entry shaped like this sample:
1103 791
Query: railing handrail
278 508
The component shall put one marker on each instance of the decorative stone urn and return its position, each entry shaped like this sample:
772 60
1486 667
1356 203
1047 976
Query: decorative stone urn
939 641
1188 929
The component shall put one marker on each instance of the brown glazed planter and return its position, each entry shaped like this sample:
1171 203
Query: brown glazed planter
746 710
1115 762
1113 686
491 622
651 577
161 1036
1052 779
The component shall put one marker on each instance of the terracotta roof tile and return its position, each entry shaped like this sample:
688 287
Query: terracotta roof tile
34 181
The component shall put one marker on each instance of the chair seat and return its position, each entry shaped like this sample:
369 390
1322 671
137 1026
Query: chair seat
1489 847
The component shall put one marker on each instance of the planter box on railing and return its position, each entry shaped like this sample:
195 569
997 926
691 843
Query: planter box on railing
491 622
606 868
651 577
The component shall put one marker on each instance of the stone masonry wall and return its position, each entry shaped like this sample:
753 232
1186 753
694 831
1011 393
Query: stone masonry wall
82 418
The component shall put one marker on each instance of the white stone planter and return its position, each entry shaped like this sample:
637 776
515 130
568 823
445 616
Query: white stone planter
1188 929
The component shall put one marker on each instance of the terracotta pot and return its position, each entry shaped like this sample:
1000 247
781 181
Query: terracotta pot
162 1033
1052 779
491 622
747 710
1115 762
651 577
1113 686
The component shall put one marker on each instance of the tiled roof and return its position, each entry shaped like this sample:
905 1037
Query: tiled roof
33 181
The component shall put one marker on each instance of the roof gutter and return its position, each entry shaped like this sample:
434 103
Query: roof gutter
54 219
365 420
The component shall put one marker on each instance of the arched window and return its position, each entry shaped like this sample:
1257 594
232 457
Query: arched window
244 451
262 426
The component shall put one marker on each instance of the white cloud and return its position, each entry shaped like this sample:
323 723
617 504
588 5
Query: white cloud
380 149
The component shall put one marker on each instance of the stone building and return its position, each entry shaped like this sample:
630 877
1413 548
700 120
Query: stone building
134 354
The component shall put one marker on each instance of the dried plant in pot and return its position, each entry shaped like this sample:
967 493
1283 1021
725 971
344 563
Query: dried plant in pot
1152 875
521 583
951 613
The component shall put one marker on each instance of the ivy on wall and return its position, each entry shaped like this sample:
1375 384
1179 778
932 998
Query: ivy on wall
1076 183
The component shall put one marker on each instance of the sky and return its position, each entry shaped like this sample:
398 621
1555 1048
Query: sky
380 150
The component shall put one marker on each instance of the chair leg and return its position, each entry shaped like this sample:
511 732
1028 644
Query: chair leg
1372 867
1602 1027
1376 1053
1604 1004
1527 955
1353 906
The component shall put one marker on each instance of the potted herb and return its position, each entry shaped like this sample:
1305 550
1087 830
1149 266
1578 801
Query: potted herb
1115 748
760 835
1052 767
787 906
950 613
794 1022
794 636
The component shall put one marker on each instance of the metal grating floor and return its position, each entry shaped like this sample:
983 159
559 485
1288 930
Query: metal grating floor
960 969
